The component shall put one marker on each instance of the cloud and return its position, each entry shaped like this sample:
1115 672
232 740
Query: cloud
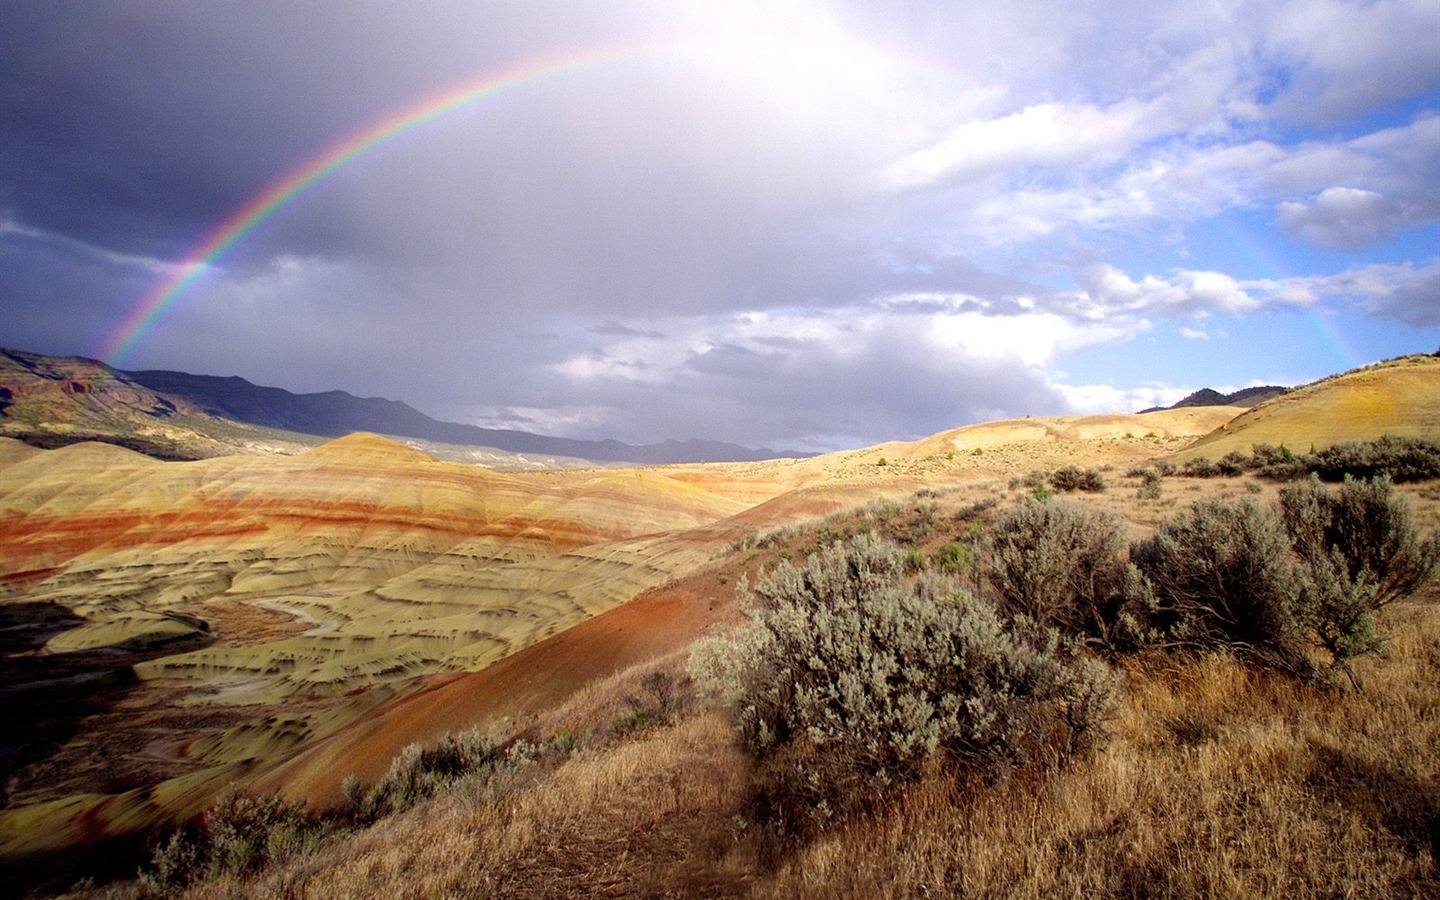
1405 292
1341 217
846 376
1108 292
821 221
1344 57
1097 399
1046 134
1193 334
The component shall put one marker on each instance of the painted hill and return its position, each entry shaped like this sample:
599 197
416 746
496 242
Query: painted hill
247 616
1400 397
167 628
286 598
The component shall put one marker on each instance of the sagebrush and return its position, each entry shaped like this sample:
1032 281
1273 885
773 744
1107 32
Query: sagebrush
851 677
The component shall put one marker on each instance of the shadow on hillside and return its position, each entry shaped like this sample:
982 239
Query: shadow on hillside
45 697
157 448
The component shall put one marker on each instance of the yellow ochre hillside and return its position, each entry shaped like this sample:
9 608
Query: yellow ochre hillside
1399 397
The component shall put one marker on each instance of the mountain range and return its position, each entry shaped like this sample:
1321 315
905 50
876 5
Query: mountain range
131 409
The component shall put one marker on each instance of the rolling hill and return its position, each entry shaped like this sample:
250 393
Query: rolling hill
1399 397
281 621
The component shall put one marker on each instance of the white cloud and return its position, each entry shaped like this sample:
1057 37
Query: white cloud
1108 292
1346 56
1405 292
156 268
1098 399
1342 217
1193 334
898 368
1046 134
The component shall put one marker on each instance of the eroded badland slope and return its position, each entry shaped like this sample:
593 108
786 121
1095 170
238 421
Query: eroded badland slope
173 627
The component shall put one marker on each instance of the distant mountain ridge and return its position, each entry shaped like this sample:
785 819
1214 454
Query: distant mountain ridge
1251 396
100 403
336 413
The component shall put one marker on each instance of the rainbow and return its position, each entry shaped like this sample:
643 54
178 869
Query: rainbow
1268 265
202 257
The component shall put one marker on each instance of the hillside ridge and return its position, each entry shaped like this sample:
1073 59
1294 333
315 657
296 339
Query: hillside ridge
49 401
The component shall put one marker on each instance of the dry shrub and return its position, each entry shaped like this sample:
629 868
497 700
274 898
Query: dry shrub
420 770
239 835
1222 780
1221 574
1200 467
1401 459
1062 565
1273 584
1073 478
851 678
1365 530
1362 551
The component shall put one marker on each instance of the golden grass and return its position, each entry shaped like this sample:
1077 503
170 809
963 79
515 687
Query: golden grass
649 817
1220 780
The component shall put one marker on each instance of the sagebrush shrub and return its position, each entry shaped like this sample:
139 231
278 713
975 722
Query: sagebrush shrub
1073 478
1361 551
1221 574
1063 565
419 770
1277 463
1233 463
1400 459
851 677
240 834
1367 529
1199 467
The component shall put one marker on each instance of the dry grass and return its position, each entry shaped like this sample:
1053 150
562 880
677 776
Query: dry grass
647 818
1220 780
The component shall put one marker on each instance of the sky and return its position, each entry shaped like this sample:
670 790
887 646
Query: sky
805 225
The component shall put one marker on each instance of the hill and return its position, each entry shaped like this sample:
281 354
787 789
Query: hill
1250 396
294 598
167 628
1400 397
51 401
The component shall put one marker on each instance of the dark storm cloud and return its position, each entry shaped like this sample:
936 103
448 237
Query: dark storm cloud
776 223
40 281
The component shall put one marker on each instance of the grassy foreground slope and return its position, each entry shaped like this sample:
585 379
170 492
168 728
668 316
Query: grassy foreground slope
1219 779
